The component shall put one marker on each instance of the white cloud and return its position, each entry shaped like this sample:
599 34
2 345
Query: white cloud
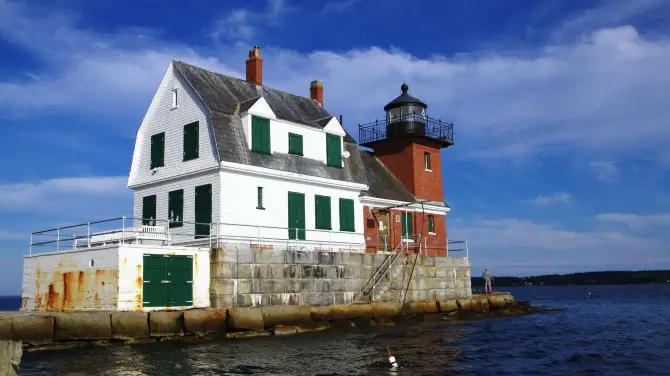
556 198
67 194
514 246
605 15
581 96
242 24
649 222
606 171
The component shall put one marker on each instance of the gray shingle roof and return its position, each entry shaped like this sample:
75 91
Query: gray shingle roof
227 96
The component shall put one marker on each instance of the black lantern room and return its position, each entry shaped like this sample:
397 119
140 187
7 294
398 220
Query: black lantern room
406 117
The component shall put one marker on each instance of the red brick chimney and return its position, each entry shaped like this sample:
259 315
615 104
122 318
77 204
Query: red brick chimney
255 66
316 91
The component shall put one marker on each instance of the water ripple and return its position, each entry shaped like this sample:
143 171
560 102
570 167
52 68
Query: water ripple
616 331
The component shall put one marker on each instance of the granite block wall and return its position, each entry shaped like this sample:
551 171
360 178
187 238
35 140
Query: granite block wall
243 276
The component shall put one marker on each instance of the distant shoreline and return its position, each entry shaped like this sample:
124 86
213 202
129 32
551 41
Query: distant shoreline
582 279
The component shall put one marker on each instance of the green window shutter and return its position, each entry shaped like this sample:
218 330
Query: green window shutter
191 141
431 224
158 150
203 210
149 210
347 221
176 208
407 225
333 150
260 135
322 211
260 199
295 144
296 215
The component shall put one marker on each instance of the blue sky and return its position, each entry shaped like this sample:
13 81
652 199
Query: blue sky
561 110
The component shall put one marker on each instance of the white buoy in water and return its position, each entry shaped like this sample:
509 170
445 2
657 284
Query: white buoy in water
394 363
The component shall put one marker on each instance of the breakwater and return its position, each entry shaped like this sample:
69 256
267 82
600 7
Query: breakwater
53 330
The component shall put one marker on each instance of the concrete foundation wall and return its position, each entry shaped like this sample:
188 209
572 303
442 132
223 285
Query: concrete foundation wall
71 280
242 276
131 270
105 278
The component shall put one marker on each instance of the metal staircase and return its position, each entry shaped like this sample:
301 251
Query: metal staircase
383 269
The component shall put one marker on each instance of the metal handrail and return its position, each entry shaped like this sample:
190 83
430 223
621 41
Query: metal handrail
131 229
427 126
384 268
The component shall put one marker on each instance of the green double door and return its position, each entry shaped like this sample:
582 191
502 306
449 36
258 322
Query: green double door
167 281
296 216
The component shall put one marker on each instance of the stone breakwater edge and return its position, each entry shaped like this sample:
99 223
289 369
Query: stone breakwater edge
60 330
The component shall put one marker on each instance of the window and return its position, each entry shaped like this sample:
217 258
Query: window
158 150
176 208
431 224
260 199
426 160
260 135
174 98
347 222
294 144
149 211
407 225
191 141
334 150
322 211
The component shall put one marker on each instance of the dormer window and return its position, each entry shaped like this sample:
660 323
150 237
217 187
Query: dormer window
333 150
294 144
174 98
260 135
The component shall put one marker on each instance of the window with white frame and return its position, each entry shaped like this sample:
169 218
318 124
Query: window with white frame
426 161
174 98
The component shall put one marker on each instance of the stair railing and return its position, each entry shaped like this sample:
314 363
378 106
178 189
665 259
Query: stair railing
385 266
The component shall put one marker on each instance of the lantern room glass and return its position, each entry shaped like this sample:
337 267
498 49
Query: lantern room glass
406 112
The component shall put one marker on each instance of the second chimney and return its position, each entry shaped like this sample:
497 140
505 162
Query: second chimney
255 66
316 91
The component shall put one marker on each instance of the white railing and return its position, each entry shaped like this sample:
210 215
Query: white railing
128 230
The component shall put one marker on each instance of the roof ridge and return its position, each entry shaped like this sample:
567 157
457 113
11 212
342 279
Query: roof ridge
239 79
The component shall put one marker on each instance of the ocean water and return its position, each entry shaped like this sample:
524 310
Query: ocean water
594 330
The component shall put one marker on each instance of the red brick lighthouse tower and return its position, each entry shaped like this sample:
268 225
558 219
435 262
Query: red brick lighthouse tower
408 143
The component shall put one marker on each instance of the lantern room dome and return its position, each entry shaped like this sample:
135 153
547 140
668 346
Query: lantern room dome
404 100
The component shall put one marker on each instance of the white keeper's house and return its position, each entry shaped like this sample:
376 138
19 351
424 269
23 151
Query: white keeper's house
256 162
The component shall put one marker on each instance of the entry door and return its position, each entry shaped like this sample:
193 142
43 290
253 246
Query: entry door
154 281
167 281
296 215
180 275
203 210
383 217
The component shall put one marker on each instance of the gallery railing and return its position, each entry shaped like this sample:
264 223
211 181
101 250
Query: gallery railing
129 230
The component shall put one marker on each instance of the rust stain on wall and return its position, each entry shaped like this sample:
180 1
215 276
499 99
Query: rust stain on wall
138 302
195 260
74 290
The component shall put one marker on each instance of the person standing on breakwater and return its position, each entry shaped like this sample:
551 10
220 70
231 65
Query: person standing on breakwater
487 281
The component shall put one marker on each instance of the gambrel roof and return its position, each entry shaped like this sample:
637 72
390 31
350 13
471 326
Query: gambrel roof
226 97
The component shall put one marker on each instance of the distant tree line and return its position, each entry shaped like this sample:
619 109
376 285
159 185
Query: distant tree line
615 277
